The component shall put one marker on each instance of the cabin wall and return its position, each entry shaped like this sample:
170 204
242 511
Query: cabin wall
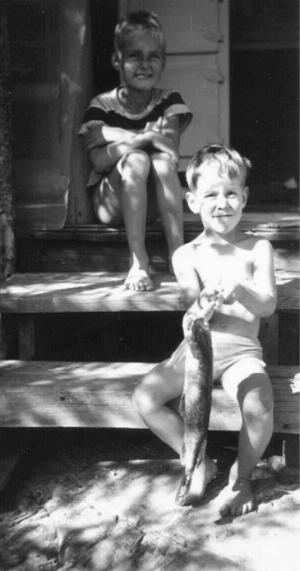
50 55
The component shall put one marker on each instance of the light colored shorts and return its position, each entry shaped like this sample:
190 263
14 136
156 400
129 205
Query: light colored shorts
105 189
235 358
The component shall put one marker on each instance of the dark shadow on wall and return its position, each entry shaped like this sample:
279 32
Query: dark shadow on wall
104 16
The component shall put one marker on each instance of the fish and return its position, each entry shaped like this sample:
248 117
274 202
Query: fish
195 403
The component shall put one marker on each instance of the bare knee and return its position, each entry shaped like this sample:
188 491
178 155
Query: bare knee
257 401
134 166
154 391
164 165
144 400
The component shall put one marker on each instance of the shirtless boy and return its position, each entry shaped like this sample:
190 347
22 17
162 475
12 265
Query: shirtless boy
228 277
132 134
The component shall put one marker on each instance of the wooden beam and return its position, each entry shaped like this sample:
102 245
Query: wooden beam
67 394
275 226
7 241
26 332
102 291
7 466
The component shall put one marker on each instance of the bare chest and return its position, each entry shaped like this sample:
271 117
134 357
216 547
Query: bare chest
216 265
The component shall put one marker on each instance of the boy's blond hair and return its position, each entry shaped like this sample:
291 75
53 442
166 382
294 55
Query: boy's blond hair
140 19
229 162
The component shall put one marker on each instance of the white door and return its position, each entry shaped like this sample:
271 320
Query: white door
197 36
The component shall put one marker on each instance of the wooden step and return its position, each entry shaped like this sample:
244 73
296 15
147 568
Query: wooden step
86 247
270 224
85 253
102 291
68 394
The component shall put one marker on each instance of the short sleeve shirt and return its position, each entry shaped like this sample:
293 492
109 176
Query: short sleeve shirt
106 109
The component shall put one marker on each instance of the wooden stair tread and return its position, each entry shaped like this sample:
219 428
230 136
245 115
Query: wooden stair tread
69 394
101 291
283 225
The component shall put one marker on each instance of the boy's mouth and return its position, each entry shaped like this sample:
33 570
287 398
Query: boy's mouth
143 75
222 215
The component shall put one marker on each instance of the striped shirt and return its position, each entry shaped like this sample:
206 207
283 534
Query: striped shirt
106 109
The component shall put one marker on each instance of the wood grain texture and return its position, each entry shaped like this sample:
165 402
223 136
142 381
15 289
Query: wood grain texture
102 291
68 394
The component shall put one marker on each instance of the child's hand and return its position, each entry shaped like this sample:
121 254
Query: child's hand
209 301
163 144
230 291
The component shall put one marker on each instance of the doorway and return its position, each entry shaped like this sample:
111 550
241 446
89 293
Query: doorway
264 97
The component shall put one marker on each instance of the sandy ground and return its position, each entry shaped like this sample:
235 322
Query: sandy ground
72 506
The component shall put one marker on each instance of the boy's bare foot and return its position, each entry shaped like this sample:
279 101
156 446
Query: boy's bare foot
139 280
202 475
236 499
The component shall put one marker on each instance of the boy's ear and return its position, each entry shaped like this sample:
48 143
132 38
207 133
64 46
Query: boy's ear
192 202
245 195
115 61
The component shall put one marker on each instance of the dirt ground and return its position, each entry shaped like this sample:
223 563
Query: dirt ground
104 500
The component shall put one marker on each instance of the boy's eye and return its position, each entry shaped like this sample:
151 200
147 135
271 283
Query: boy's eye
138 56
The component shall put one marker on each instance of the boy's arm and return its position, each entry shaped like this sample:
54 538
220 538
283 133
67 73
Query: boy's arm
186 275
165 135
190 284
107 144
257 295
98 134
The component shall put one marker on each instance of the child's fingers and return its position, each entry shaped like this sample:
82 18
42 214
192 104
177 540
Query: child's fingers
228 295
209 293
208 310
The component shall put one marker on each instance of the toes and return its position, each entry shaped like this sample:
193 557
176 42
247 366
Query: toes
139 281
249 507
236 510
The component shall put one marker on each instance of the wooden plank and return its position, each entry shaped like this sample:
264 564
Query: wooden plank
26 333
66 394
88 291
86 250
75 92
269 338
282 225
100 291
8 465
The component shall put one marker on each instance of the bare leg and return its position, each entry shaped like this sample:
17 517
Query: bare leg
169 199
162 385
124 195
134 171
256 405
203 474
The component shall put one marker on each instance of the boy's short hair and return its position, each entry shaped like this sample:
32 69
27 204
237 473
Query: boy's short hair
139 19
229 163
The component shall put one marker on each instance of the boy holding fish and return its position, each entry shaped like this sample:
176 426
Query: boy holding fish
227 278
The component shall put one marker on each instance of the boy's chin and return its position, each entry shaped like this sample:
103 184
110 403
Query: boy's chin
223 229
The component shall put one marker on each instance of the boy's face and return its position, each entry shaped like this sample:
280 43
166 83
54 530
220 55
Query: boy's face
219 200
141 60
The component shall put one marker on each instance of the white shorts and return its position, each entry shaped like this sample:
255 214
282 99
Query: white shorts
235 358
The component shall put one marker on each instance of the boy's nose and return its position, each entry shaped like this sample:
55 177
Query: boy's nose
144 63
221 201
